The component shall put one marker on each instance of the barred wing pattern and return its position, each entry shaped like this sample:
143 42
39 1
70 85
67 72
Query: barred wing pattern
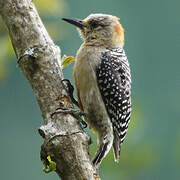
114 82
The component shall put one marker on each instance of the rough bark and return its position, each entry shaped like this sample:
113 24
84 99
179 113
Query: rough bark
39 59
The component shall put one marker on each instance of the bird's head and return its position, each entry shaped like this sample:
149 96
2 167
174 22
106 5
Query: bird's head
100 30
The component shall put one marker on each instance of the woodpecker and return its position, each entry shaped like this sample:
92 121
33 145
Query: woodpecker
103 81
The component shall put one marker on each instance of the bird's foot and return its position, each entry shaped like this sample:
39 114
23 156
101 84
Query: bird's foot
76 113
70 89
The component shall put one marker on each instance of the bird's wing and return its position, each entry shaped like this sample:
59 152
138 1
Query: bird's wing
114 82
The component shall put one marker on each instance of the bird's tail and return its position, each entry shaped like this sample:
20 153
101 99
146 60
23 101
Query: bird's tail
116 147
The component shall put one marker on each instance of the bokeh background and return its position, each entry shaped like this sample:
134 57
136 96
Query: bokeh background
151 150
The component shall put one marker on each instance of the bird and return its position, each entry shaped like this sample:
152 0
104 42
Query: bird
103 81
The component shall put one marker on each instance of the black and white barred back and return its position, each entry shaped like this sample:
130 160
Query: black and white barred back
114 82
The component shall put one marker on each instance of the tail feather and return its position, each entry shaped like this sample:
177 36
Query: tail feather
116 147
100 155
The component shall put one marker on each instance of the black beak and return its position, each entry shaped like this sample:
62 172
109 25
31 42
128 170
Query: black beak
78 23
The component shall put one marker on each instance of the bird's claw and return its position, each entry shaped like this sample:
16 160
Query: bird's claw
76 113
70 89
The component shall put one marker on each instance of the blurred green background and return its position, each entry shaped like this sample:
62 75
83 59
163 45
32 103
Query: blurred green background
151 150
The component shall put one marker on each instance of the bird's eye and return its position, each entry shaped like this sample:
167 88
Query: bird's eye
94 24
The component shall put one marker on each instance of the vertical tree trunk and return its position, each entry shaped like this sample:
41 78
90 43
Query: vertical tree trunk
39 59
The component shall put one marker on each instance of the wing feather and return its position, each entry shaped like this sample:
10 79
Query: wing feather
114 82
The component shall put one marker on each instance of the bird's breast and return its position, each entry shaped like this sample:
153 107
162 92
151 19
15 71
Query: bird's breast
85 68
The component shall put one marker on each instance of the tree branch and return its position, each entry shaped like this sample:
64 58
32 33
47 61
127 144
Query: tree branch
39 59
